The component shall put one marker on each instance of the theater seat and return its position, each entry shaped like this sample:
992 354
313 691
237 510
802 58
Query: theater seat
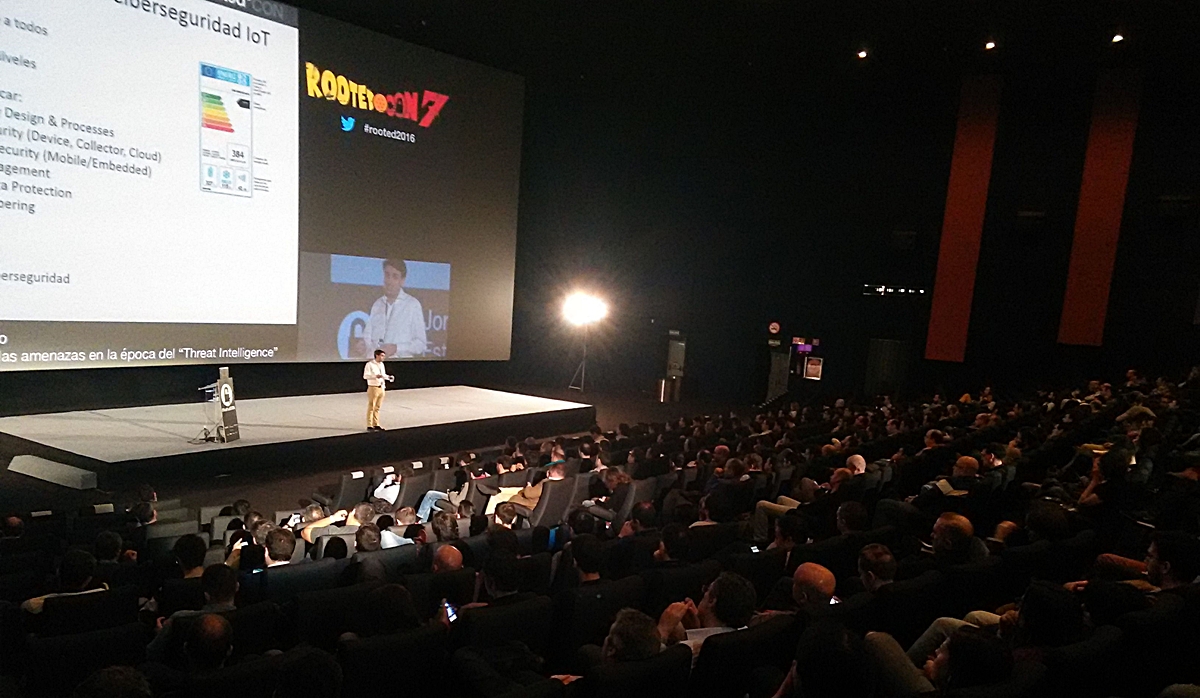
321 616
763 569
643 491
413 488
302 671
705 541
514 479
370 663
281 584
477 498
1025 681
429 589
1084 669
67 615
553 504
902 609
525 621
535 573
727 661
320 542
667 672
257 628
666 585
180 595
55 665
1158 647
396 561
592 611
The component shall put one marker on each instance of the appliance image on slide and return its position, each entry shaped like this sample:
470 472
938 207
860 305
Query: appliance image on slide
342 299
226 131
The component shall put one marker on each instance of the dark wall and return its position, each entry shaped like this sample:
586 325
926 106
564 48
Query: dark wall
711 167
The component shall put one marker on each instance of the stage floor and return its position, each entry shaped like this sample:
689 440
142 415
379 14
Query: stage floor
141 433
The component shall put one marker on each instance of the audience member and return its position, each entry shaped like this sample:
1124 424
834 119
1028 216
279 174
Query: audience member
279 547
75 574
445 526
447 558
220 585
114 682
727 605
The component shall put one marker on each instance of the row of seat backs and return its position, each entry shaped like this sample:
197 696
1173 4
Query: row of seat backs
281 584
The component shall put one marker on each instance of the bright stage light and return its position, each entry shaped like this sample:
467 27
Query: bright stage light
862 54
990 45
584 309
1117 38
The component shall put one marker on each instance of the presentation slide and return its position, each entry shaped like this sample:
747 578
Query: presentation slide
156 178
224 181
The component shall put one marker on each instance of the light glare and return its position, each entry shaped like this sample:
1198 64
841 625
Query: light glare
862 54
990 45
584 309
1117 38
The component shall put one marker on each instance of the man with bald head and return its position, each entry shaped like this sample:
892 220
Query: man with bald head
447 559
812 588
954 543
209 643
963 480
807 593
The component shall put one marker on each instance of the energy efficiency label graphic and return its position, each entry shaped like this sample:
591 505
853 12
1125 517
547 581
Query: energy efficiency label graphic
226 131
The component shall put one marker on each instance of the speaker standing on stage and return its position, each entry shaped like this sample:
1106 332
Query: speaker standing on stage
397 323
375 375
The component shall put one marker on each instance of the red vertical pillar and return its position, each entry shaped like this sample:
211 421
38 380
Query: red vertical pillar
1101 204
962 225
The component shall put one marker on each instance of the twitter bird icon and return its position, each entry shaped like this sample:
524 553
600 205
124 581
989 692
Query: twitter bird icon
347 123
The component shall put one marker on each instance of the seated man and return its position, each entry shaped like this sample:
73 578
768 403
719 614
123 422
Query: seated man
633 637
447 559
809 491
529 495
968 657
449 500
112 568
953 542
75 574
445 526
506 514
209 644
672 547
1049 616
830 661
279 547
339 522
388 490
876 567
638 540
220 584
963 480
727 605
808 593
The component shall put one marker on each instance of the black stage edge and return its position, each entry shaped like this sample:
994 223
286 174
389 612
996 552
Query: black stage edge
308 456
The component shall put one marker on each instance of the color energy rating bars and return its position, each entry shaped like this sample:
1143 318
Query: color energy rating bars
215 116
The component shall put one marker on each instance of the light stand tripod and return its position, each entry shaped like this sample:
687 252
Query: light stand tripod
581 372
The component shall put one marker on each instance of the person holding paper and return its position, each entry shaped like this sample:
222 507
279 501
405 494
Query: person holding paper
397 322
375 375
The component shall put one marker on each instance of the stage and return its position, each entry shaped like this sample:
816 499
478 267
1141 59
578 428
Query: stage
122 445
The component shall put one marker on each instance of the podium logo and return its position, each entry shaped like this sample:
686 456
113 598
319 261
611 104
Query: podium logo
347 123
